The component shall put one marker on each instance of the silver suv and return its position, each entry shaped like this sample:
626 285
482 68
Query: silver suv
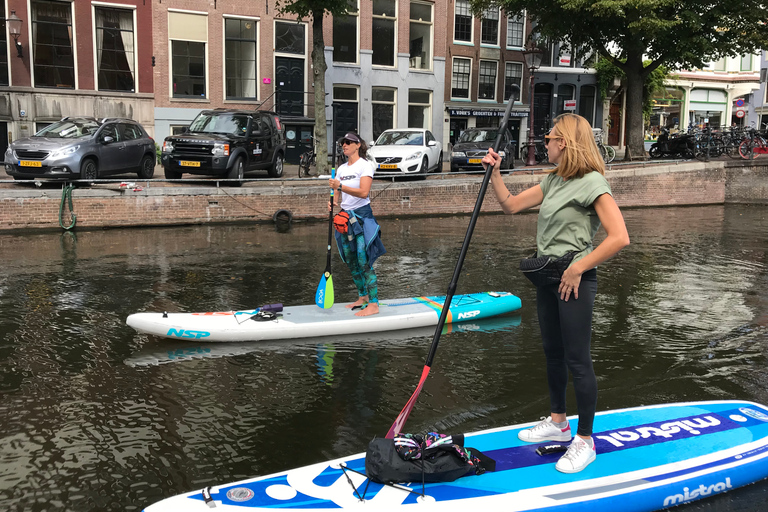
83 147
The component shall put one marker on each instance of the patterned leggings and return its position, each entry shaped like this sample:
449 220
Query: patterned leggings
357 261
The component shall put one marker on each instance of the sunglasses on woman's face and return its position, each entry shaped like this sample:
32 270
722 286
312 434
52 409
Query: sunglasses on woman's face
346 142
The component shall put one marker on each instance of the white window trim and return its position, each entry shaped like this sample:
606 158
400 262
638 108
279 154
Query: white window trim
257 20
394 50
304 57
430 57
525 27
498 32
427 105
393 103
126 7
471 28
469 86
32 44
522 71
170 58
357 41
495 82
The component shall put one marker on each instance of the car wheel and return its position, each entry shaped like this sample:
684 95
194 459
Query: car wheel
89 169
147 167
424 169
277 168
236 172
172 175
439 167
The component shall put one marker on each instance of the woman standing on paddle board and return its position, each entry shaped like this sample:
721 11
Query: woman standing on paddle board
361 244
575 200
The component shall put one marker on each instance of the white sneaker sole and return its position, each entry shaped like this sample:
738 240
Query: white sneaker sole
576 470
565 438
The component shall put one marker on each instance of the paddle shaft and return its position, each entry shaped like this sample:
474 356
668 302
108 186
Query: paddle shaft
403 416
330 213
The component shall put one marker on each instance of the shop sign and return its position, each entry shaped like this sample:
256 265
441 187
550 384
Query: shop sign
455 112
569 105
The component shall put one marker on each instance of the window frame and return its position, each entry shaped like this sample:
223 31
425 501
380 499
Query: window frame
356 15
206 56
511 23
495 44
495 80
427 106
394 20
72 25
257 21
469 79
431 25
513 64
751 62
393 103
471 24
124 7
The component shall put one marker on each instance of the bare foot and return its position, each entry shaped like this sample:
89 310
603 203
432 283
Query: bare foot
359 302
371 309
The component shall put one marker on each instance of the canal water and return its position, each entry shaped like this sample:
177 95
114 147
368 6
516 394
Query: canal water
95 417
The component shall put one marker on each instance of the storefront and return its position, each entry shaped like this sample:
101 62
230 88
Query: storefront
667 108
463 118
708 106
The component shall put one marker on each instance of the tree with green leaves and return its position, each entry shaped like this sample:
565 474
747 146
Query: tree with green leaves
638 36
316 10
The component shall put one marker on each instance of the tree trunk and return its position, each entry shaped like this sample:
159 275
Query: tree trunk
634 121
318 74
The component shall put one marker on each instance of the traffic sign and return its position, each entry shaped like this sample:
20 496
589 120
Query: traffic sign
740 102
569 105
739 113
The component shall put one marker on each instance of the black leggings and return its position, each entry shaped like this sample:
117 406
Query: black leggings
566 330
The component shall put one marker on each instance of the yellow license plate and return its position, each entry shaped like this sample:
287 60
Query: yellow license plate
29 163
186 163
475 160
388 166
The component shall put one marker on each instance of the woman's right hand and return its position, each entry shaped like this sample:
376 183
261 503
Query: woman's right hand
492 158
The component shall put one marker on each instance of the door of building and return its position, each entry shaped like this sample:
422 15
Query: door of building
614 123
289 74
458 125
542 109
345 119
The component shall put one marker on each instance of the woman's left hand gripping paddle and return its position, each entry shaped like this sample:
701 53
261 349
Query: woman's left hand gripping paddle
324 294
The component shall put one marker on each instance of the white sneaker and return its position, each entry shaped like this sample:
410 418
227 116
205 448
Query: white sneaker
545 431
578 456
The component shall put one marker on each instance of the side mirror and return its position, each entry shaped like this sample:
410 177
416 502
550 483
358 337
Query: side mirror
432 143
372 143
107 139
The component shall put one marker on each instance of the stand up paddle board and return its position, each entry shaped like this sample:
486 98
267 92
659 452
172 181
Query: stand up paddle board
174 351
648 458
310 321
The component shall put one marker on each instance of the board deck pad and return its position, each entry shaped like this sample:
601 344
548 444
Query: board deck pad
311 321
648 458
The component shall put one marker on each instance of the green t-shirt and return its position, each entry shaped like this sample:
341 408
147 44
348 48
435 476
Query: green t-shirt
567 218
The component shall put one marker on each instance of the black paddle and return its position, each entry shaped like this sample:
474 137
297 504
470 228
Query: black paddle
324 294
403 416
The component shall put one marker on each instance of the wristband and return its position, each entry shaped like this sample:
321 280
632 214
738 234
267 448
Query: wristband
339 189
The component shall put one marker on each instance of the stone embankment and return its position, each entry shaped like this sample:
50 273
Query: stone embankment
140 203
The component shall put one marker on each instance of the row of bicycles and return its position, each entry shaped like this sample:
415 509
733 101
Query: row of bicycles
735 142
540 149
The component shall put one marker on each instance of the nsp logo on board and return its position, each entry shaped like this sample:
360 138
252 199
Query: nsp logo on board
181 333
753 413
468 314
699 492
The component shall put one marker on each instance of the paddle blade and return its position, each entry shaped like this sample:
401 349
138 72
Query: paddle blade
397 426
324 294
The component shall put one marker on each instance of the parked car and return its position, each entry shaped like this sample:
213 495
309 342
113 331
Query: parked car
472 145
83 147
408 151
228 143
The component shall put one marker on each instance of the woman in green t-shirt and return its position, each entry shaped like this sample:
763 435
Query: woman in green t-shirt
575 200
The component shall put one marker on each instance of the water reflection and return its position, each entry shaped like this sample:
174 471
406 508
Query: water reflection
98 417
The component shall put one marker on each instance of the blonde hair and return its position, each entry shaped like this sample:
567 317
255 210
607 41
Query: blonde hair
580 154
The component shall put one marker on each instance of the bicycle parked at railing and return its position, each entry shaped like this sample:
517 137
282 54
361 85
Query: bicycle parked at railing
540 151
308 161
607 152
753 145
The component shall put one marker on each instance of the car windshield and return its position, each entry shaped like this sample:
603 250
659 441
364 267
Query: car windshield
235 124
400 139
478 136
69 129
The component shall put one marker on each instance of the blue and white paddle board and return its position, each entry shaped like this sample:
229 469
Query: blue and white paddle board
648 458
310 321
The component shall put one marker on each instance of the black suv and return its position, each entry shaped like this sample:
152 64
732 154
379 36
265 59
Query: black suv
227 143
472 146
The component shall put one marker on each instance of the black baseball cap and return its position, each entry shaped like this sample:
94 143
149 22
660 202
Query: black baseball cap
352 137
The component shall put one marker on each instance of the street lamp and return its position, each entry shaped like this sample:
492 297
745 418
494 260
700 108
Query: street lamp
14 28
532 55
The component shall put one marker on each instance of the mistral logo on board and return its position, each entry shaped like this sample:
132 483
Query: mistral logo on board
468 314
698 492
668 430
181 333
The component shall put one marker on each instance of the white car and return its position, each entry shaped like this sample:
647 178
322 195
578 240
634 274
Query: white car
407 151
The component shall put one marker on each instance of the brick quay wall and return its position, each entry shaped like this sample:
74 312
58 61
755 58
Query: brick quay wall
158 203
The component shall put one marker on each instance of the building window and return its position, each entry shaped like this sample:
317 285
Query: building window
188 69
240 36
746 62
384 108
345 38
52 44
289 38
115 54
462 24
487 80
513 75
460 78
515 31
564 92
419 109
384 20
3 49
587 103
719 65
420 44
489 26
178 129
